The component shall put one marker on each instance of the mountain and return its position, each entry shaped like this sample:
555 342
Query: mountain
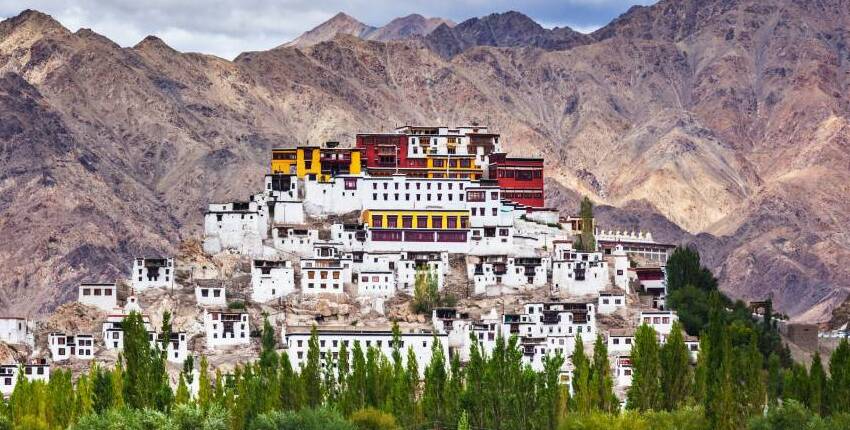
509 29
720 123
342 24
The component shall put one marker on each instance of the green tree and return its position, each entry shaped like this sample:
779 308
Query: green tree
582 399
675 370
182 395
645 392
311 376
587 240
140 383
817 386
839 383
774 379
205 395
463 422
268 354
426 294
373 419
601 381
433 397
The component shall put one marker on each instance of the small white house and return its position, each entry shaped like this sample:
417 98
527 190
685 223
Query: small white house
325 275
113 331
294 239
226 327
620 341
15 330
611 301
210 294
661 321
103 296
152 273
376 284
35 370
271 280
178 347
580 273
623 372
64 347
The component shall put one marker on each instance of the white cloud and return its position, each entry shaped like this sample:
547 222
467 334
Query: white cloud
228 27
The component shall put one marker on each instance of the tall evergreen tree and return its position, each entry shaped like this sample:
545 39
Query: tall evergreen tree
601 381
433 396
839 383
582 399
774 379
205 395
587 240
311 377
675 370
290 385
140 383
645 392
817 386
268 353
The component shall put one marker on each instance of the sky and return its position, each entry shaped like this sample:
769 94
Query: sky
228 27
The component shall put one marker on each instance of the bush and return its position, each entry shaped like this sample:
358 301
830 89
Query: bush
305 419
236 304
681 419
373 419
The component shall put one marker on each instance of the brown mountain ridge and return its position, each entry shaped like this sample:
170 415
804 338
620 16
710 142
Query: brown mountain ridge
723 123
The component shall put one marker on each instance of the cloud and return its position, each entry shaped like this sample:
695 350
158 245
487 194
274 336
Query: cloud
228 27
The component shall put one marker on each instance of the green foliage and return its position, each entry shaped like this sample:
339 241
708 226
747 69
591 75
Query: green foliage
680 419
586 240
426 294
305 419
645 392
601 380
582 399
236 304
145 382
268 355
676 378
311 377
373 419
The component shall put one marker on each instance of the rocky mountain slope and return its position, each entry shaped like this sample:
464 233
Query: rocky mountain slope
722 122
342 24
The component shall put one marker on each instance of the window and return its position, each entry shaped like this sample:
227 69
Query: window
350 183
452 221
494 195
464 222
437 221
392 221
504 232
407 221
475 196
421 221
377 220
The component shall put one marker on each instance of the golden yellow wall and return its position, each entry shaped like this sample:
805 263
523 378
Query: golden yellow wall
367 217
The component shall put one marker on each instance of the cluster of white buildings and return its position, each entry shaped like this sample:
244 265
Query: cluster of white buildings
433 203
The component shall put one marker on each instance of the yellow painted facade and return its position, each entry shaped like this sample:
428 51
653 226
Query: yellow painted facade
445 166
431 218
305 161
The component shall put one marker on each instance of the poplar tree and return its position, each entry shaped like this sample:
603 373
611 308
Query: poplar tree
181 397
645 392
290 386
675 370
839 383
818 385
774 379
582 399
102 389
60 399
587 240
400 398
140 385
268 354
412 374
433 400
751 395
84 395
601 381
204 387
311 377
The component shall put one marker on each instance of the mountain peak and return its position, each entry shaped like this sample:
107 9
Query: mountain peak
341 23
35 21
152 43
